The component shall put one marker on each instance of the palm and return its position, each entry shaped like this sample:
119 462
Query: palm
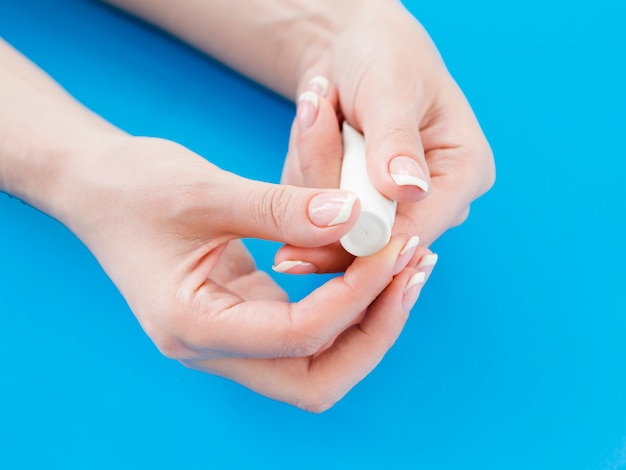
237 272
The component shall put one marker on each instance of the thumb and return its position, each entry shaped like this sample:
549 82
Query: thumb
395 154
298 216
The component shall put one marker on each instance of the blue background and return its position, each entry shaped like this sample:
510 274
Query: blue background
514 357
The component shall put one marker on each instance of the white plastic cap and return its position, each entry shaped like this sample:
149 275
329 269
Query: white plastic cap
372 231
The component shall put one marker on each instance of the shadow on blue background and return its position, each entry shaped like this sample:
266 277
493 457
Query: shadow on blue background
515 355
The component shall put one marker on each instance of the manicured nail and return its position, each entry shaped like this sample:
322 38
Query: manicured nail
412 291
295 267
406 172
406 254
427 261
328 209
319 85
308 102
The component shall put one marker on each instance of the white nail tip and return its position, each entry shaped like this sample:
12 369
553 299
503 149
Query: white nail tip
346 210
285 266
310 97
427 261
321 82
417 278
409 180
411 243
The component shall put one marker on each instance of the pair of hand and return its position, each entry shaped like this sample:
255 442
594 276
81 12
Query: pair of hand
165 223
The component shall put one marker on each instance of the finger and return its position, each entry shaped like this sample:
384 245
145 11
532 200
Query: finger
224 325
234 261
411 256
292 174
298 216
316 383
447 206
321 86
300 260
462 168
319 148
326 259
236 271
314 138
395 154
360 349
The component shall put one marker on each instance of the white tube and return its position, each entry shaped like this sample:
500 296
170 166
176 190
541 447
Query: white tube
372 231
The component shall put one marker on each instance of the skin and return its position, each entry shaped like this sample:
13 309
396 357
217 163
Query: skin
387 80
190 282
165 225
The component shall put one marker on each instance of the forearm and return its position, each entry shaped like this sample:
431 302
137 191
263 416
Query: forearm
42 131
274 42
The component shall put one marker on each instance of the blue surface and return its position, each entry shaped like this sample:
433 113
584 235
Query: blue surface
515 356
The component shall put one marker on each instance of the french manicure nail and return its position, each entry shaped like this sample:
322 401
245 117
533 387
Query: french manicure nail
308 102
295 267
406 254
333 208
407 172
427 261
319 85
412 291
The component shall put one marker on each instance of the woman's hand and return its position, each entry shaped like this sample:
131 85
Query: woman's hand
165 224
424 146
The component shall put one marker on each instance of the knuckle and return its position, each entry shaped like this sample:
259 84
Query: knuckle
489 170
414 226
479 171
463 216
170 346
309 346
303 343
490 177
387 341
275 204
316 407
397 131
317 401
304 339
171 329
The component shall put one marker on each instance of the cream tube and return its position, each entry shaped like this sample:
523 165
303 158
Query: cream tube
372 231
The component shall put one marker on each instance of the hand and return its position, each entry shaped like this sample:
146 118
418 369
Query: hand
421 134
165 224
425 148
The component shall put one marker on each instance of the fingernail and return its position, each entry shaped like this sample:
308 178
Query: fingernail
406 172
295 267
406 254
412 291
306 113
427 261
319 85
328 209
414 285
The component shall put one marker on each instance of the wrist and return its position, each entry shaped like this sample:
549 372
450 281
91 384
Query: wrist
274 42
42 133
43 170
